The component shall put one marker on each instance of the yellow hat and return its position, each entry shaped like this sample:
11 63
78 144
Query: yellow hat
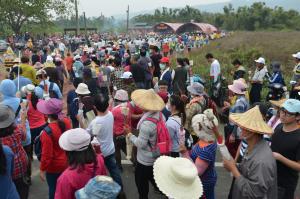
278 103
252 120
147 100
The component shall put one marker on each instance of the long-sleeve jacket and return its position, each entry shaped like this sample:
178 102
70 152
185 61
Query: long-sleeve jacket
258 178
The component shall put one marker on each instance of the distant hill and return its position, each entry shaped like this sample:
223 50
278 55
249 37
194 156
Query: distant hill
218 7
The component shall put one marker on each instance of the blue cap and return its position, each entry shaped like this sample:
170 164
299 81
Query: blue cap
292 105
99 187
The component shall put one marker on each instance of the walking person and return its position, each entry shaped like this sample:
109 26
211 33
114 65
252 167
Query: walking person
8 188
53 158
102 128
285 147
84 163
203 153
151 104
12 136
256 176
175 123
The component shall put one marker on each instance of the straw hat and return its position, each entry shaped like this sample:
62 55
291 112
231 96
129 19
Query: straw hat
252 120
278 103
147 100
177 178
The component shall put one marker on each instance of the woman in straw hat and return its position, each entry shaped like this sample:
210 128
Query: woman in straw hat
203 153
177 178
256 175
151 104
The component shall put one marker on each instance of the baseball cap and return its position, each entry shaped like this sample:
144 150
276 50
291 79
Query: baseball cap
165 60
297 55
260 60
292 105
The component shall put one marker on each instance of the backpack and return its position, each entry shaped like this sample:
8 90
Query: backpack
38 143
188 139
52 93
210 104
163 140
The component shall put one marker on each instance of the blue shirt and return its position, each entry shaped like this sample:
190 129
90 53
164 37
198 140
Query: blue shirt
55 88
23 81
8 189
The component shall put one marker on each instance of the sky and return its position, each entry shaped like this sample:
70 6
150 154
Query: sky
118 7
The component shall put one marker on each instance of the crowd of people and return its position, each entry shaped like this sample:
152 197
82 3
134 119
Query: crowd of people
164 118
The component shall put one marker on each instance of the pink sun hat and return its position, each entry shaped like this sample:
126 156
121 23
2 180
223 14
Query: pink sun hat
51 106
238 87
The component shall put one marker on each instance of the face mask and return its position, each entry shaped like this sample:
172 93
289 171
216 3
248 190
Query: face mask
162 66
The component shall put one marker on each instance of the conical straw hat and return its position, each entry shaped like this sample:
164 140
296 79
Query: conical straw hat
252 120
278 103
147 100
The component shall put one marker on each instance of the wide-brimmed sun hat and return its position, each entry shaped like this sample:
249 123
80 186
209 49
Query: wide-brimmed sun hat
99 187
277 103
177 178
147 100
7 116
238 87
121 95
196 89
126 75
51 106
82 89
75 140
252 120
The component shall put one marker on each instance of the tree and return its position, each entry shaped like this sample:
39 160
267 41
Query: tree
17 13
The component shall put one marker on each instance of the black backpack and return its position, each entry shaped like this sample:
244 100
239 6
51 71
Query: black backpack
52 93
38 143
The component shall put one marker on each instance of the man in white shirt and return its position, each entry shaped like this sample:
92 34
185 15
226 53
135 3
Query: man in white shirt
257 80
62 47
102 128
215 68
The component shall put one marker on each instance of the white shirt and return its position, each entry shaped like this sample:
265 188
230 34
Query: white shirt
61 46
259 74
215 69
102 128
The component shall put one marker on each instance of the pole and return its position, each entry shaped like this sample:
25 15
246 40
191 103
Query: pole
85 29
127 28
77 20
19 71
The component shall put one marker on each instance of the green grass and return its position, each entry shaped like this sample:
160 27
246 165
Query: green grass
248 46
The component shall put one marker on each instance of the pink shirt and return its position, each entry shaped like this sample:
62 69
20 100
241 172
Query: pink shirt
72 180
35 118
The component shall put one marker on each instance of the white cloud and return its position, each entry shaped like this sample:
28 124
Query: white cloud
117 7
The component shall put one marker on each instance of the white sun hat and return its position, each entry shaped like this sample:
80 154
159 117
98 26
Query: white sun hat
177 178
261 60
126 75
297 55
82 89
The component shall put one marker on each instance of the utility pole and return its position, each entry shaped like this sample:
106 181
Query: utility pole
85 28
77 20
127 28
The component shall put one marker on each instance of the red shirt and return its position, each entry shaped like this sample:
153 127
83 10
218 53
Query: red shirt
120 120
69 63
72 180
54 159
14 142
35 118
166 48
136 111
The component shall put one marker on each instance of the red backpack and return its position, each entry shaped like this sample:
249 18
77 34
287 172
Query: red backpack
163 140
